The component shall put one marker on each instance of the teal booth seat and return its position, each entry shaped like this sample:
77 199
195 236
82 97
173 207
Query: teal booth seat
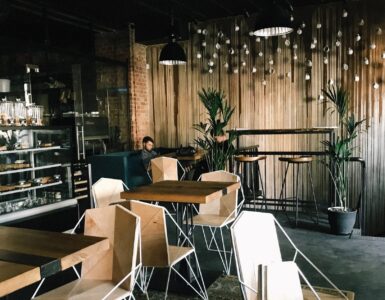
126 166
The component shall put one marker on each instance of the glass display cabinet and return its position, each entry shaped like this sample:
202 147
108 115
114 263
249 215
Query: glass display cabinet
35 171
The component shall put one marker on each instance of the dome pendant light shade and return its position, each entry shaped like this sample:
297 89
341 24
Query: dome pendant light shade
172 54
274 20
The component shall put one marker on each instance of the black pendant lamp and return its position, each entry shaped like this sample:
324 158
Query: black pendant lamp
274 19
172 53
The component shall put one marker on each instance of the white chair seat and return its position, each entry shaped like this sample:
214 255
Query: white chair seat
178 253
211 220
85 289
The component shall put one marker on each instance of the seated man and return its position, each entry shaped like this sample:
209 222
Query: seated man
147 152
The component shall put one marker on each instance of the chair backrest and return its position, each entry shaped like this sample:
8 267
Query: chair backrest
106 191
227 204
164 168
255 243
122 228
154 233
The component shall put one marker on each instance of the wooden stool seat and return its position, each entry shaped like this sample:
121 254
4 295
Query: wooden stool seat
297 160
244 158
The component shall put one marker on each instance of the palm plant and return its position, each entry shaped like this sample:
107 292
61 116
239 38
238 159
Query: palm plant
218 147
341 150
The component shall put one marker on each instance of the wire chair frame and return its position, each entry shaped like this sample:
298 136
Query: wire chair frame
245 286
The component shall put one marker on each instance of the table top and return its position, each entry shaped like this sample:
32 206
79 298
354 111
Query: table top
197 156
314 130
197 192
27 256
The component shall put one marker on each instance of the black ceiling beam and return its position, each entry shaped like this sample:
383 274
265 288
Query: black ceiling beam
189 8
224 8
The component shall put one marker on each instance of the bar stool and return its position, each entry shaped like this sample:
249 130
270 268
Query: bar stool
298 161
253 161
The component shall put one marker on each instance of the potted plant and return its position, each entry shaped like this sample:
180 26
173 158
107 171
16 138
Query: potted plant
217 145
341 215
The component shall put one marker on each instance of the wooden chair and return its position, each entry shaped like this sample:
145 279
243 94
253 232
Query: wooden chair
217 215
156 250
261 272
165 168
110 275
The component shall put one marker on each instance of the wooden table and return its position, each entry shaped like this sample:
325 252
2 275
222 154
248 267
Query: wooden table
193 192
27 256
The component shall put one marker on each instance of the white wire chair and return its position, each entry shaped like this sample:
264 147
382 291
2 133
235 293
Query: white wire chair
158 253
259 262
112 273
217 216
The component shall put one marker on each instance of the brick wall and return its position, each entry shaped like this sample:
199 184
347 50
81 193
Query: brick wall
131 113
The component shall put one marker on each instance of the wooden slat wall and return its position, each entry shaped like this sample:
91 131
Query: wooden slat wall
284 102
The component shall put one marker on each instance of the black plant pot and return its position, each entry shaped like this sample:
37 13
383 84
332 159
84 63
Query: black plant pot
341 222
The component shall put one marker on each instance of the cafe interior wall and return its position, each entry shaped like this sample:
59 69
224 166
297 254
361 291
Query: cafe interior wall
277 83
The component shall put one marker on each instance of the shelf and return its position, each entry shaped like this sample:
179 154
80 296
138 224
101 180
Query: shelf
37 187
31 212
30 169
42 149
80 182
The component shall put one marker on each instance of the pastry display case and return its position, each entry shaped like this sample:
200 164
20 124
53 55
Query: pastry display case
35 171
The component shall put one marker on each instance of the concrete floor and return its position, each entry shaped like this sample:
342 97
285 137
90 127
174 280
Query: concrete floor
356 264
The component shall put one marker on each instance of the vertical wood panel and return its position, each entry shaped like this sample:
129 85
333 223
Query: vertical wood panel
284 102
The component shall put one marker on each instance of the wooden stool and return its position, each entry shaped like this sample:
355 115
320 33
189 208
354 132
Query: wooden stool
302 160
254 162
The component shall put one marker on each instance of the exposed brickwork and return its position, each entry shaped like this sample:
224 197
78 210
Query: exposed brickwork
129 113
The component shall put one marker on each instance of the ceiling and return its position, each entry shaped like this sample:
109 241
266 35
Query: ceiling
151 17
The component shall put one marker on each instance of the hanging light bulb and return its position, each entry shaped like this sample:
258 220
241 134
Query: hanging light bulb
260 53
321 97
291 18
361 23
279 50
204 31
226 65
287 42
319 25
210 63
345 67
243 63
350 51
295 46
215 55
312 46
264 82
356 78
326 49
358 37
271 61
295 56
199 31
231 51
307 76
254 70
339 33
199 55
376 85
251 33
220 34
218 46
204 44
330 82
288 74
247 51
344 13
309 63
372 46
338 43
283 36
227 41
210 70
379 31
383 55
326 60
235 71
236 27
366 61
299 31
258 39
303 25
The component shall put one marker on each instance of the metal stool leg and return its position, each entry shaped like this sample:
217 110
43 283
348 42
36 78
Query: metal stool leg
296 196
262 186
312 189
284 187
253 186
